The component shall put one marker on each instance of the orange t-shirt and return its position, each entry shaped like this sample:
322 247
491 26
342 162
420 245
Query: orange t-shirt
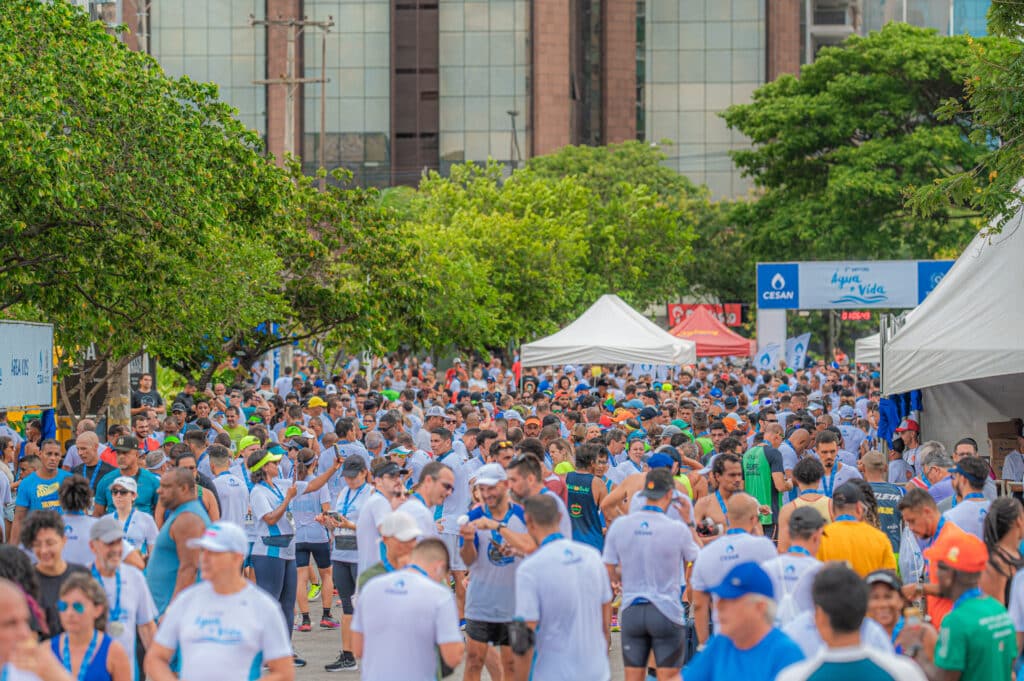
938 607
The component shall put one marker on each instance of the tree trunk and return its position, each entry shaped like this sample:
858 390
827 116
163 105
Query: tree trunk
119 394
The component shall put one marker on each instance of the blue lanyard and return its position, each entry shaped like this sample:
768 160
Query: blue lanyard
66 656
496 534
831 480
966 596
347 504
275 490
417 495
846 516
799 549
388 567
972 495
444 456
938 531
418 569
124 529
656 509
554 536
811 491
736 530
95 472
721 504
115 612
638 467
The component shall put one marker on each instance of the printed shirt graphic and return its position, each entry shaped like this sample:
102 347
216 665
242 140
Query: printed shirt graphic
35 493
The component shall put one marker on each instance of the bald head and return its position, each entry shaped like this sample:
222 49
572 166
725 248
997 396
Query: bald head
799 440
742 511
85 425
88 447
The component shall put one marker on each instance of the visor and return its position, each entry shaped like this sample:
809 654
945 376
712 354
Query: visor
270 457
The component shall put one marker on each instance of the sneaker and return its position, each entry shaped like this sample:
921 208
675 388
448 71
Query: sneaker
344 663
328 622
314 592
298 661
615 623
305 626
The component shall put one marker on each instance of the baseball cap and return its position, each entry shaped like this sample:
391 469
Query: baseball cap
887 577
660 461
847 494
178 406
125 443
331 389
401 526
961 551
648 413
222 537
805 519
490 474
247 441
744 579
258 463
353 466
513 415
317 401
658 483
533 419
669 431
107 530
382 468
908 424
846 412
125 482
171 440
731 402
292 431
715 392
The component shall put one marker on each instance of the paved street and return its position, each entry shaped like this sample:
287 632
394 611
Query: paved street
320 647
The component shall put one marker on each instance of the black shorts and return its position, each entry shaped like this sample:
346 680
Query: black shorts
645 629
321 553
495 633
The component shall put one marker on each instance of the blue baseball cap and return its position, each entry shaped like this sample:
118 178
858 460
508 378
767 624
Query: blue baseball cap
744 579
715 392
660 461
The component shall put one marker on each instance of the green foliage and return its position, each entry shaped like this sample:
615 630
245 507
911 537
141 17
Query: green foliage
836 150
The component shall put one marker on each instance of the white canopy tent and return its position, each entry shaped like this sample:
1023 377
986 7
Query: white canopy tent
609 332
963 347
868 350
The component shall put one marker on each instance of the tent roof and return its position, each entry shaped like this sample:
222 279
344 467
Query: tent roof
713 338
971 325
609 332
867 350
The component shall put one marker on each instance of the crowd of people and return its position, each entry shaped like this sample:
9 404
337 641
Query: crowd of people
720 521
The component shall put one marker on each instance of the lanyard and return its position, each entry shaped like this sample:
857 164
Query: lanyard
388 567
275 490
115 612
972 495
444 456
417 495
736 530
554 536
638 467
656 509
721 504
131 514
846 516
95 472
831 480
799 549
966 596
347 504
418 569
938 531
811 491
66 656
496 534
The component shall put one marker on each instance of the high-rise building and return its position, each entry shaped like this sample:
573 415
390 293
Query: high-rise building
423 84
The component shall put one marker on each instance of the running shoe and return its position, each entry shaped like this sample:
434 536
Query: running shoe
345 663
314 592
615 623
305 626
328 622
298 661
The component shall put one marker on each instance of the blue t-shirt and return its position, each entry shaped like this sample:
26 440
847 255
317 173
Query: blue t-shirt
763 662
146 500
35 493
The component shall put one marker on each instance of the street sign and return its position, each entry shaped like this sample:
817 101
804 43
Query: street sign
26 365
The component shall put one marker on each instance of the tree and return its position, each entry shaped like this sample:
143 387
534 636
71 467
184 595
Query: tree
994 103
836 150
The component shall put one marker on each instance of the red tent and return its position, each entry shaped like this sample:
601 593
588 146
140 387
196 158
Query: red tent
713 338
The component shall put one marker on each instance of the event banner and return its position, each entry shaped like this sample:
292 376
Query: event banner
796 351
731 314
26 365
768 357
885 284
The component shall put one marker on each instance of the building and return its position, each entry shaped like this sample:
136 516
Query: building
423 84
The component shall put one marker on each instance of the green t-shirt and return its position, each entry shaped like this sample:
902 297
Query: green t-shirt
978 640
368 574
757 479
236 432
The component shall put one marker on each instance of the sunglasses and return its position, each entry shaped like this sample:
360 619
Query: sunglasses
504 444
62 606
119 492
448 486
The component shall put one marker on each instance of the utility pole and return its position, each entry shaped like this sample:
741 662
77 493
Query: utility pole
291 80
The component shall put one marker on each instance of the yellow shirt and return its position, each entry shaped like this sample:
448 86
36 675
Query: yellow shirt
863 547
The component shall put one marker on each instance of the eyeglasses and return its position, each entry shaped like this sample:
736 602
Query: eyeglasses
448 486
119 492
62 606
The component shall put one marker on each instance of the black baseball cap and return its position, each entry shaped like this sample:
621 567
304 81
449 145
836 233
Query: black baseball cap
658 483
125 443
353 466
847 494
887 577
805 519
383 467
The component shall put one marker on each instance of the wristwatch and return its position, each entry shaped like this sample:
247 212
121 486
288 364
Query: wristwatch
502 526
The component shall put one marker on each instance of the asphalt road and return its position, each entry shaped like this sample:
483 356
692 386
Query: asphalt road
320 647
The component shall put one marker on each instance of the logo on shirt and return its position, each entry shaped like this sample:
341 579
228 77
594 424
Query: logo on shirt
47 490
730 553
643 530
398 588
569 557
576 510
496 556
212 630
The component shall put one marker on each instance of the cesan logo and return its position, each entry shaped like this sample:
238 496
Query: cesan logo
777 292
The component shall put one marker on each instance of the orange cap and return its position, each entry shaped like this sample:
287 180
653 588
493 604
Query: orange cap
961 551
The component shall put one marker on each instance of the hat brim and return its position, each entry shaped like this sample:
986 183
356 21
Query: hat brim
210 544
655 493
408 534
109 537
489 482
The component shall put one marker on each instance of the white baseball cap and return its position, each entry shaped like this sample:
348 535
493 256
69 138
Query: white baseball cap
222 537
401 526
490 474
125 482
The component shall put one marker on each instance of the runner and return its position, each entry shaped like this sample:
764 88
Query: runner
888 495
455 505
850 539
22 658
710 512
232 490
586 493
435 485
44 535
39 490
969 505
410 605
563 603
84 649
387 482
127 449
398 536
525 479
220 627
644 551
764 476
92 467
312 541
75 497
807 479
792 573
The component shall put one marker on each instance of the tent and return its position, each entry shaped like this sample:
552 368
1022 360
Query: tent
713 338
609 332
868 350
963 347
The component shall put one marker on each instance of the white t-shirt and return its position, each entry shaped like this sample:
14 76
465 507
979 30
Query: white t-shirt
650 548
563 586
423 514
264 498
12 673
406 609
136 605
1013 467
720 556
349 503
76 535
224 637
793 573
490 596
139 529
805 634
371 515
969 516
234 497
457 503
